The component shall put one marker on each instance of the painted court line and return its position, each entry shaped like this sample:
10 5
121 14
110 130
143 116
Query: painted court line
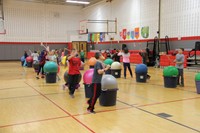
169 101
29 122
62 109
6 98
180 124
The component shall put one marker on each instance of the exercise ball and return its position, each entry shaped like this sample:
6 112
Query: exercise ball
29 59
116 66
108 82
50 67
197 77
92 61
36 65
108 61
22 58
87 77
141 68
66 76
170 71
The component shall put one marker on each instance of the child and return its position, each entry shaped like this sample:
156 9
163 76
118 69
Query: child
96 81
82 54
126 61
179 64
42 60
115 56
74 66
35 55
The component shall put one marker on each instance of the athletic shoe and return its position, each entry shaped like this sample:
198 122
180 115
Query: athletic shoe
42 76
37 77
77 86
181 85
91 111
63 87
71 95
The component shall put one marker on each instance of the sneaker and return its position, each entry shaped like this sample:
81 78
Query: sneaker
42 76
91 111
71 95
37 77
182 85
77 86
63 87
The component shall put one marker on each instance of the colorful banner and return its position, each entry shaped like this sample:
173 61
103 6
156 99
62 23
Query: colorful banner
145 31
132 34
128 35
124 34
137 33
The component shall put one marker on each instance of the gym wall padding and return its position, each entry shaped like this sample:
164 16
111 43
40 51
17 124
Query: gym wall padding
16 51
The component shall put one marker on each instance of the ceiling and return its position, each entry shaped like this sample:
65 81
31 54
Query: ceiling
62 2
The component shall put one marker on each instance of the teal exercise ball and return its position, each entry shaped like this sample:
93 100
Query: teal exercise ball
50 67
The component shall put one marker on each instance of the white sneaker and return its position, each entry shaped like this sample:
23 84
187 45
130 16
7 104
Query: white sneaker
63 87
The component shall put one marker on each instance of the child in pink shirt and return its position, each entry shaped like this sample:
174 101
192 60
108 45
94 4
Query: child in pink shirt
126 61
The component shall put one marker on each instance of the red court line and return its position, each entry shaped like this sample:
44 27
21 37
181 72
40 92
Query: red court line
33 121
168 102
62 109
103 111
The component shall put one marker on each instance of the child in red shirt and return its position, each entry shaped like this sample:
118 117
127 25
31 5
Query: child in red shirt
74 66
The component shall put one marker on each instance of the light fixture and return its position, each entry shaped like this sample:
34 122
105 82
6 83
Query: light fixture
78 2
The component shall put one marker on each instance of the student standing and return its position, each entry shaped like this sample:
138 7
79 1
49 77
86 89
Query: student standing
179 65
82 55
96 81
74 66
42 60
126 61
115 56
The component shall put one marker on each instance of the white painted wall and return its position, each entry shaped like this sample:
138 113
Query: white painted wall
36 22
180 18
130 14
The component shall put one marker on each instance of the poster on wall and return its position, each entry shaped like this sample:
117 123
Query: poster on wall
137 33
145 31
124 34
132 34
102 37
128 35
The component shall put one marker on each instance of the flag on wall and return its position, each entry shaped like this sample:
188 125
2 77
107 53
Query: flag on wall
137 33
128 35
124 34
132 34
145 31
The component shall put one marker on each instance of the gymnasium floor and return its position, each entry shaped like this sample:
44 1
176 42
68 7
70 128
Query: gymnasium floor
29 105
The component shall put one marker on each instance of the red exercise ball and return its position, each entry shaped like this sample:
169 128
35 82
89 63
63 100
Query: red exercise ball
29 59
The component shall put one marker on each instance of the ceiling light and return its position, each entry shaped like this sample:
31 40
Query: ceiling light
77 2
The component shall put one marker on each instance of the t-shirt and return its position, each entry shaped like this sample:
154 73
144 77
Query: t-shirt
180 58
96 76
35 56
82 54
74 66
125 57
52 58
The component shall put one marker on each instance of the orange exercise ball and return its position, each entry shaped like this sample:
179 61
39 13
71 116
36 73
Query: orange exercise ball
92 61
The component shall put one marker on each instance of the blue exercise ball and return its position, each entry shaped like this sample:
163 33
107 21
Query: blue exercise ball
22 58
141 68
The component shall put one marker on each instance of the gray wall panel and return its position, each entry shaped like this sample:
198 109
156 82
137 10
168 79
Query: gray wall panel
16 51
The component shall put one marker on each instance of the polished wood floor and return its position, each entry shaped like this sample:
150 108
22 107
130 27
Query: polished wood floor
28 105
